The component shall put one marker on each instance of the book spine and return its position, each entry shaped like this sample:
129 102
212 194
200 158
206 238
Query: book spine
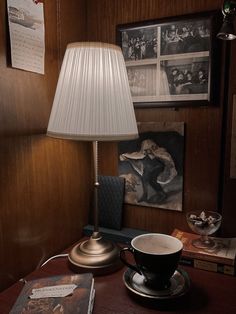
209 266
209 258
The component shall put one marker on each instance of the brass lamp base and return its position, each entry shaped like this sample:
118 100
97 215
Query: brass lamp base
95 255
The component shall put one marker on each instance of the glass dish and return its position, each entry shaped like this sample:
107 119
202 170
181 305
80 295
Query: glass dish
204 223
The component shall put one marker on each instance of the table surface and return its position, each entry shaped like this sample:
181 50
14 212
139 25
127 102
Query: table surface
210 292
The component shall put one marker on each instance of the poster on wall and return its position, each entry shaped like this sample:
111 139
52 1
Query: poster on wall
152 165
26 28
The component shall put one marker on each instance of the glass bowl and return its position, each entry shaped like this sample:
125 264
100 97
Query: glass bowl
204 223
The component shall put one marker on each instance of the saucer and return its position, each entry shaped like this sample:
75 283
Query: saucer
179 285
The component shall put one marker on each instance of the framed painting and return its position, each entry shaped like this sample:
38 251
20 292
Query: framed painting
152 165
172 62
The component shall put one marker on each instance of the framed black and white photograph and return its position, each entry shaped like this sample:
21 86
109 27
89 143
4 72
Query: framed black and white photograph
152 165
171 62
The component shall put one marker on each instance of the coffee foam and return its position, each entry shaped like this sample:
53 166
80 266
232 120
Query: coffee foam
156 244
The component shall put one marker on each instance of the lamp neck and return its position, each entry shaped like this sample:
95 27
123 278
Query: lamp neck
95 162
96 185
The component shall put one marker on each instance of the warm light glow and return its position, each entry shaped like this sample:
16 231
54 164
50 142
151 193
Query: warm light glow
93 100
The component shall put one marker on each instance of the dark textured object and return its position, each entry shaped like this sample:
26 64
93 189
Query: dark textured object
209 293
156 258
79 301
110 201
125 235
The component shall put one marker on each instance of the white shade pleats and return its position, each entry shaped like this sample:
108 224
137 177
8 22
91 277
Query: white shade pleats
92 100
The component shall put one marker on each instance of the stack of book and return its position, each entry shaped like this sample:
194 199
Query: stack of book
57 294
220 258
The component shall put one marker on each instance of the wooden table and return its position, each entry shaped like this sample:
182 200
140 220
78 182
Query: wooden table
210 293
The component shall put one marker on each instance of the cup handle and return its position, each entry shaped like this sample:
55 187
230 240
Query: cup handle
122 257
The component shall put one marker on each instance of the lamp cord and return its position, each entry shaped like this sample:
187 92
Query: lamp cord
53 257
24 281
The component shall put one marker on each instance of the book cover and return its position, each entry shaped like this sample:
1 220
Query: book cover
223 252
34 297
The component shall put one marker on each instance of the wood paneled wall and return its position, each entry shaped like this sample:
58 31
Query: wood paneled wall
203 125
229 183
44 182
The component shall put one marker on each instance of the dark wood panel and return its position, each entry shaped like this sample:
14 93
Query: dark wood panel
209 293
44 192
202 124
229 184
44 183
104 15
26 97
72 23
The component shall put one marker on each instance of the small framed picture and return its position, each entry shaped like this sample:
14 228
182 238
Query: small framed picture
172 62
153 165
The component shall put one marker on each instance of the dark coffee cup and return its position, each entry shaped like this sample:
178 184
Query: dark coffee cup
156 255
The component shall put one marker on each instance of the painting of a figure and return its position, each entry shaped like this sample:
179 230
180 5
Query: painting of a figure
152 166
139 43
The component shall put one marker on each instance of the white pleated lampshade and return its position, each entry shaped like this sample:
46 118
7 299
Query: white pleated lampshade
92 100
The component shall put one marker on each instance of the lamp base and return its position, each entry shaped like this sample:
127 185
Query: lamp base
95 255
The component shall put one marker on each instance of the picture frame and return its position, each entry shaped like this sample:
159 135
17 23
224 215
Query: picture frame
153 165
173 61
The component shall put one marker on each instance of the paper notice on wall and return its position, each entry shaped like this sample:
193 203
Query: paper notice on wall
233 142
26 26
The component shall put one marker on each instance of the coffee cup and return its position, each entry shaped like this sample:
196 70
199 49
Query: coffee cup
156 256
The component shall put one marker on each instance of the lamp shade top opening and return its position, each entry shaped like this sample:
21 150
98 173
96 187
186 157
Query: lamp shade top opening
93 100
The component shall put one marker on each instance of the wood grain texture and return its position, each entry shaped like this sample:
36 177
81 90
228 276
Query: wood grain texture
104 15
209 293
44 192
71 23
26 97
229 184
202 124
45 184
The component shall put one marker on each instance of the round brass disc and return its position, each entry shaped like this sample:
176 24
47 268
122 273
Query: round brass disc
95 255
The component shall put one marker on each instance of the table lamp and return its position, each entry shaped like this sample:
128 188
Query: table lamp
93 103
227 31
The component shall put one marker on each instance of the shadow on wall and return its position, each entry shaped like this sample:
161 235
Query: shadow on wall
44 203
